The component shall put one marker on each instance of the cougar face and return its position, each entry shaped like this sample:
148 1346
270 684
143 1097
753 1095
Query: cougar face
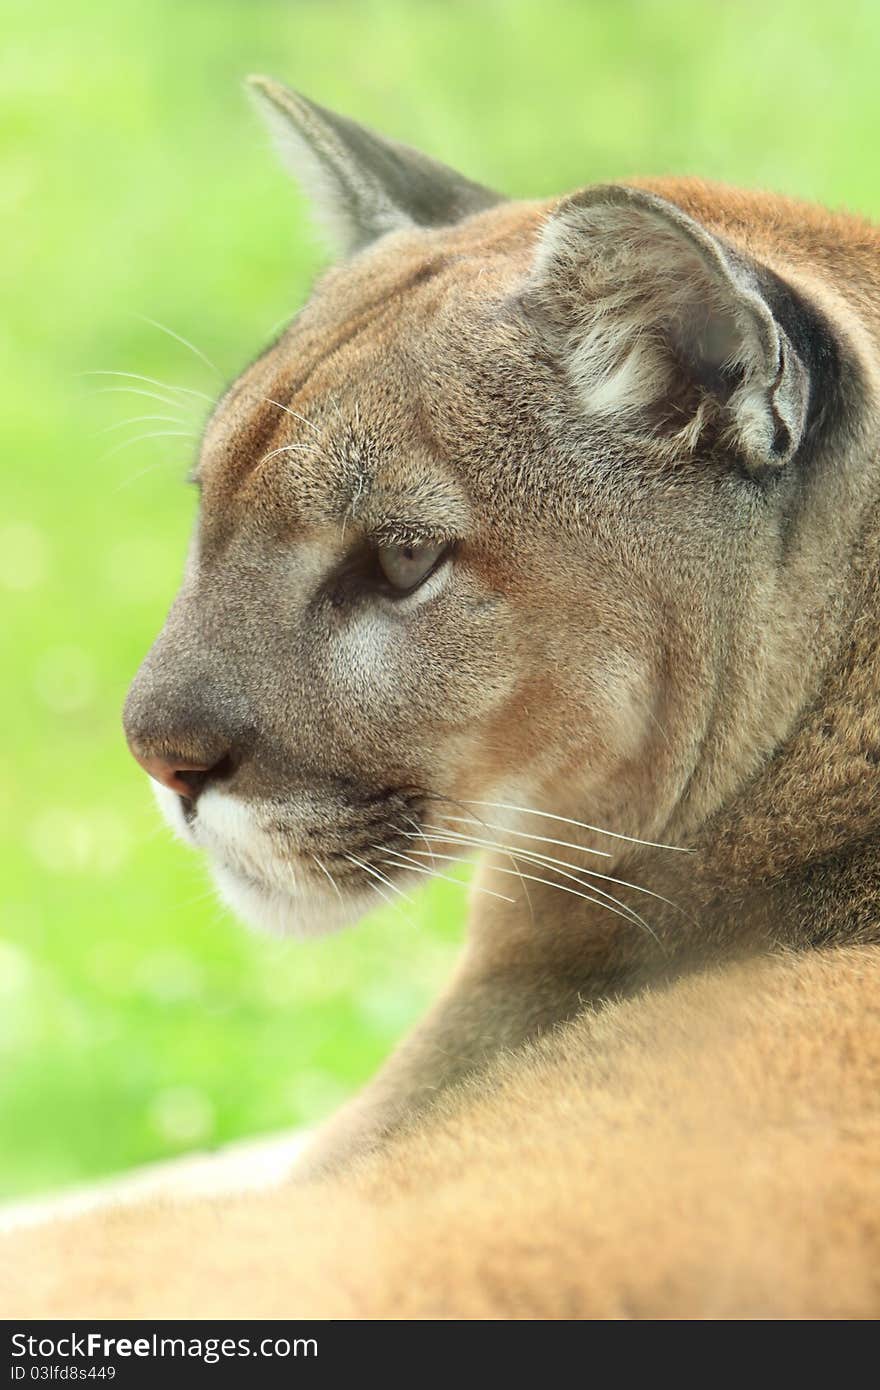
526 508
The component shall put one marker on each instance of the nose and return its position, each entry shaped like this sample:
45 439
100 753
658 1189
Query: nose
183 776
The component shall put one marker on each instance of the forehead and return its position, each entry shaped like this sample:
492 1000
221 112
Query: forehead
340 410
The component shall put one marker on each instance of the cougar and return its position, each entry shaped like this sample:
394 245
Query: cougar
548 532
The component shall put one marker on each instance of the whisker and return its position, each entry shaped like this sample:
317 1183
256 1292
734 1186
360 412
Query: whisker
384 896
582 825
151 381
537 861
435 873
548 858
287 449
392 905
163 328
295 413
194 902
526 835
136 391
549 883
383 849
141 473
383 878
478 820
281 323
329 876
415 826
150 434
139 419
547 862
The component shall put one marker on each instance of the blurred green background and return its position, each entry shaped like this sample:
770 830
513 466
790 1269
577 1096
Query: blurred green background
136 1019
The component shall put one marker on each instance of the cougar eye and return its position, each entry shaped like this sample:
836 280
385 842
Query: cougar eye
407 566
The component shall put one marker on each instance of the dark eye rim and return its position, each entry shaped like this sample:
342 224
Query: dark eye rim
361 576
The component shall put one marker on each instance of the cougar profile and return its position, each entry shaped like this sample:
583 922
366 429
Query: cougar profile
549 531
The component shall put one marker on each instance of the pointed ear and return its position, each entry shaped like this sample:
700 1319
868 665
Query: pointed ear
665 327
362 185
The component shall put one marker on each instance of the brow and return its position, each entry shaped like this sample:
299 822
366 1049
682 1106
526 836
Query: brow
398 530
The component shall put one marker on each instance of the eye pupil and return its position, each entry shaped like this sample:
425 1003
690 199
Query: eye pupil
405 567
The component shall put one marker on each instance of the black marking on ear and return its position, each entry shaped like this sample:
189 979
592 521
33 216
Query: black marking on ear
813 339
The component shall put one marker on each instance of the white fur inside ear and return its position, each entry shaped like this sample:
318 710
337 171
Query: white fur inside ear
647 303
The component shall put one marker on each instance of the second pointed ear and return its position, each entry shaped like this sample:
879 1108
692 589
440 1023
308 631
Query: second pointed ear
362 184
658 319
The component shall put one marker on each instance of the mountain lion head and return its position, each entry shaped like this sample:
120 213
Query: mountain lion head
534 507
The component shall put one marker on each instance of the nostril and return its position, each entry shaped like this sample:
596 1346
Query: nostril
196 780
189 782
184 776
222 768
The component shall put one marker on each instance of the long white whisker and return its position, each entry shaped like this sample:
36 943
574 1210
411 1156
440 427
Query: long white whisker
281 323
141 473
383 849
565 863
140 419
329 876
478 820
163 328
435 873
546 862
582 825
383 878
151 434
193 902
619 911
136 391
526 835
536 861
376 889
415 826
287 449
384 896
151 381
295 413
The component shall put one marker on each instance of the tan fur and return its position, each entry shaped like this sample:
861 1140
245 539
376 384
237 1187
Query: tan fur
707 1152
659 620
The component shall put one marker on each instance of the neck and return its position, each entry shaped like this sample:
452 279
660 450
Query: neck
792 860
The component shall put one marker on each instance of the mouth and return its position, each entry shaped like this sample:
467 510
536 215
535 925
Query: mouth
313 893
309 867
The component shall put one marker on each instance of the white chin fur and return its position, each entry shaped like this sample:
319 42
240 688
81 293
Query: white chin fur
300 911
172 812
280 913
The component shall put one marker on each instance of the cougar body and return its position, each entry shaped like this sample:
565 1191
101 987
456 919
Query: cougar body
546 530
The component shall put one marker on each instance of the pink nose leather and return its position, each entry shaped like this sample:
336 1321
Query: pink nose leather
185 780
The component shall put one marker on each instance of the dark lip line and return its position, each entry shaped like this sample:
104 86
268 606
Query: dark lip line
371 843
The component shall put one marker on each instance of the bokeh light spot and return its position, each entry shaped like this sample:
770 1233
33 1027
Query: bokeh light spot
24 556
182 1115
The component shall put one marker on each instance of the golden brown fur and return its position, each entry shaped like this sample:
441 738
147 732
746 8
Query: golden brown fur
647 417
706 1152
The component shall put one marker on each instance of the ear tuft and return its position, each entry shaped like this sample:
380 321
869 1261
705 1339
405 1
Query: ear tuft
362 185
662 325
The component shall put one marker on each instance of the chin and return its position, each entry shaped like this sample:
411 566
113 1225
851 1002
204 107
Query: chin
172 813
280 913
